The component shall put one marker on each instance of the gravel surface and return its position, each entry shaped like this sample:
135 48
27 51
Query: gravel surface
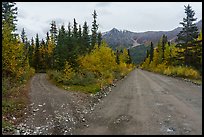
141 103
146 103
54 111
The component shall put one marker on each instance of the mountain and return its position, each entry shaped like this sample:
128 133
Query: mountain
117 38
138 43
125 38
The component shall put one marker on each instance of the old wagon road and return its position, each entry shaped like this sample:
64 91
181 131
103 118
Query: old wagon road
141 103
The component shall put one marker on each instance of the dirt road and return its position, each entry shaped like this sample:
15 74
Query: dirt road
142 103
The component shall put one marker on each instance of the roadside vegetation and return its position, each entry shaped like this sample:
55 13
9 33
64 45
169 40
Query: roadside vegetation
16 70
95 70
180 59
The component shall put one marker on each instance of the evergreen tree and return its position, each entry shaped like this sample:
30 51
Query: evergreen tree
117 57
94 30
85 38
25 43
147 53
42 58
69 30
161 48
80 33
99 39
75 30
9 14
129 58
80 38
53 31
151 52
47 38
76 48
187 36
23 36
164 41
69 43
61 53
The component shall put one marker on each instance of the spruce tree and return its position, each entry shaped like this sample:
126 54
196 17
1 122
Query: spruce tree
53 31
129 57
69 43
75 30
85 38
147 54
23 36
61 53
9 14
69 30
151 52
187 36
117 57
94 30
99 38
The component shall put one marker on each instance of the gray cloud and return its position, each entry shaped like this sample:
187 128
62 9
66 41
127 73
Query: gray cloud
57 20
29 32
21 14
135 16
103 4
45 30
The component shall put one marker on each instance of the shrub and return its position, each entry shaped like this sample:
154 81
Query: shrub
168 71
123 69
179 71
83 78
68 71
191 73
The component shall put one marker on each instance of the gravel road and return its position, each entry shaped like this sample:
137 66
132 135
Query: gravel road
141 103
148 103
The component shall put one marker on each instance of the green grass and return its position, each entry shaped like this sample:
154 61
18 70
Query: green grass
87 88
90 88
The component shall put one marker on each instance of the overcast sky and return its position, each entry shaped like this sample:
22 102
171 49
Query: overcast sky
36 17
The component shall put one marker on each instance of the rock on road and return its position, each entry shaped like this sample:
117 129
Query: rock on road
141 103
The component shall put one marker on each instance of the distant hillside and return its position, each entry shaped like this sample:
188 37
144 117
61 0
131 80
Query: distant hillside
138 53
116 38
138 43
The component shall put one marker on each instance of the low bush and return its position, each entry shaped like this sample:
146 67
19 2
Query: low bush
178 71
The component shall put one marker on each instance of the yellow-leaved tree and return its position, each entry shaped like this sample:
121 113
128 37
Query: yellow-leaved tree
101 61
14 63
123 67
68 71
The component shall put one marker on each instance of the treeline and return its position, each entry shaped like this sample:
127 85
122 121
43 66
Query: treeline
183 58
69 53
62 45
15 61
